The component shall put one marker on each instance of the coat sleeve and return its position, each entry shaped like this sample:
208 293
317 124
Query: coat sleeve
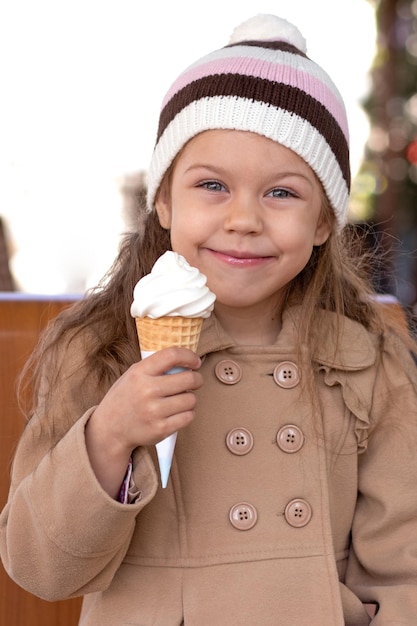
61 535
382 566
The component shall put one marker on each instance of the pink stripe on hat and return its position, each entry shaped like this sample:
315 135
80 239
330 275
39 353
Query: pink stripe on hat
284 73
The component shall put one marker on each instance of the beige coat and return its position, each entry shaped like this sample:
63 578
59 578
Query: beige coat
275 514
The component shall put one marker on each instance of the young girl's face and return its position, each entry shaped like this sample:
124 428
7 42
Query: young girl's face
246 212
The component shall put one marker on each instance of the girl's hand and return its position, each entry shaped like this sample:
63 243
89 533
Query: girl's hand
144 406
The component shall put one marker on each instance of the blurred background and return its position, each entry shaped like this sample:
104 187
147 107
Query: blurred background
82 84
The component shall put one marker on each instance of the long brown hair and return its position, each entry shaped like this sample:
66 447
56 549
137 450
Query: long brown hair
103 314
337 279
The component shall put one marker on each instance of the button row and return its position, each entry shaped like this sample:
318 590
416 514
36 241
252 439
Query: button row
297 514
289 439
286 373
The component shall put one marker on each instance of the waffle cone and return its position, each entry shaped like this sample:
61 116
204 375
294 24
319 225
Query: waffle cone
168 331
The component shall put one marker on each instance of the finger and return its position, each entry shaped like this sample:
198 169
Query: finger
153 388
164 406
179 403
176 420
174 424
164 360
170 415
178 383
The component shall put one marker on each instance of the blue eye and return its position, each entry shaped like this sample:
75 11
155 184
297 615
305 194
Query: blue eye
212 185
279 192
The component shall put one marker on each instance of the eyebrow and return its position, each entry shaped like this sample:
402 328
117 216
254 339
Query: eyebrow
206 166
220 170
297 175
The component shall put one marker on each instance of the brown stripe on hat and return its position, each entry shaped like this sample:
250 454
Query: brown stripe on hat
279 95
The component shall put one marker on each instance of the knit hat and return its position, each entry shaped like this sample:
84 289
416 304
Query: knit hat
264 83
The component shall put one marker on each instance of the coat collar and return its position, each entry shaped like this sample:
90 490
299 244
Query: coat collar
356 346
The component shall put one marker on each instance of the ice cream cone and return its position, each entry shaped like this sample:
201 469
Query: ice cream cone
156 334
167 331
169 306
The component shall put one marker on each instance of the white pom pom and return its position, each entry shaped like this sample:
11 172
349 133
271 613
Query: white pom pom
269 27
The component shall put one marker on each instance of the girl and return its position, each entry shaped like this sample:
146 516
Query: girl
292 492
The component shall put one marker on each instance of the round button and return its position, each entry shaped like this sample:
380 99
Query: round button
228 372
239 441
286 374
298 513
243 516
290 438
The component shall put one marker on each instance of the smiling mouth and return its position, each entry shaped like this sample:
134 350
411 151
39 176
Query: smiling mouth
239 259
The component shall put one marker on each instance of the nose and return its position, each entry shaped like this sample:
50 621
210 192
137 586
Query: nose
243 216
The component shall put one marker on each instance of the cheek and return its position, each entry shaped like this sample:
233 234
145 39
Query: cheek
299 245
304 231
185 225
182 235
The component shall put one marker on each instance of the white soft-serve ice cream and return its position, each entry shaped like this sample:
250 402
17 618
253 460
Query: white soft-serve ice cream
173 288
169 306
